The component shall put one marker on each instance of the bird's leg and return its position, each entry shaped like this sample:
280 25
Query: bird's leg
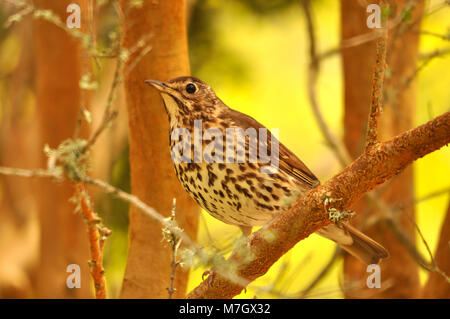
246 230
210 273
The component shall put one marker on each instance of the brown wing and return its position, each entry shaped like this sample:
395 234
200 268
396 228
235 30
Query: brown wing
293 166
289 163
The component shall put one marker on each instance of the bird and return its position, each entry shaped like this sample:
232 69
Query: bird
245 193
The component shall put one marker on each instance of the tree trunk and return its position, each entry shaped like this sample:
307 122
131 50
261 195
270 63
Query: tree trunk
153 179
19 235
436 286
400 270
63 234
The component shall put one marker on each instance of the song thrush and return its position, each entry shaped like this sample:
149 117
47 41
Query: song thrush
240 193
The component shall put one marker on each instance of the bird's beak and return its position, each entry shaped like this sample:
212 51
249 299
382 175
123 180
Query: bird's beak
160 86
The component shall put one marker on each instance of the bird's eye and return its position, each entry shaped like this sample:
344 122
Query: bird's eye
191 88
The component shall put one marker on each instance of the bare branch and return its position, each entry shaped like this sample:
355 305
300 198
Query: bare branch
97 236
377 91
175 242
29 173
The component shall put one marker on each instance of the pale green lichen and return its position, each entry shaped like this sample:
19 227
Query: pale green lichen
327 200
87 115
136 4
17 17
334 214
170 230
269 235
243 251
386 12
72 157
77 202
187 258
47 15
124 55
86 82
337 216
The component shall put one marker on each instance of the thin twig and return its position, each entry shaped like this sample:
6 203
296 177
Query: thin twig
433 194
29 172
120 73
434 266
361 39
445 37
175 242
426 59
333 142
87 54
295 273
322 274
404 26
47 15
409 79
406 242
434 53
108 115
388 216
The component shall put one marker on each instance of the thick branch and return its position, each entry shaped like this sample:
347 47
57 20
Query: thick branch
375 166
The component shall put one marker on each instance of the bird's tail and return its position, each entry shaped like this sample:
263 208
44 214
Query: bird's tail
355 242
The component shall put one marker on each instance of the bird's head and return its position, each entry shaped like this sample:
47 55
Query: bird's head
187 96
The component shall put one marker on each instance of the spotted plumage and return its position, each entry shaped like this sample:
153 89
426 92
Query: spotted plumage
229 181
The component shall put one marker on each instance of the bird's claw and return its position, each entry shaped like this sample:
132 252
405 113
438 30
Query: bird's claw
211 274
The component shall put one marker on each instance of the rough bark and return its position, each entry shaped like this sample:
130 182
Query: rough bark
398 114
374 167
436 286
148 268
63 233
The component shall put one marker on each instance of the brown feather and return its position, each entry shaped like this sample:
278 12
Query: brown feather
289 162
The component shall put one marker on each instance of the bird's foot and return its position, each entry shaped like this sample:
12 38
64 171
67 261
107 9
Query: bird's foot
211 274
